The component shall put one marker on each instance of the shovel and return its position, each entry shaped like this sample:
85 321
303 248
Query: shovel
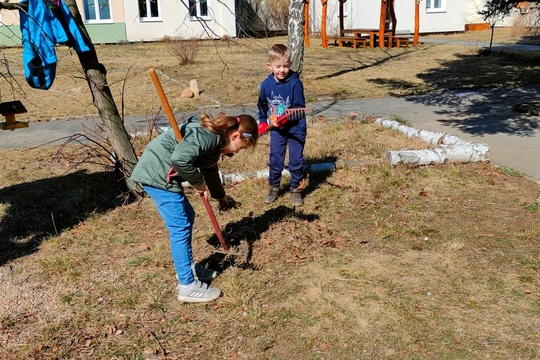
178 134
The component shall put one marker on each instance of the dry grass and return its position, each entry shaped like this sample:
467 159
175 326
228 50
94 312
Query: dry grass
405 262
432 262
229 72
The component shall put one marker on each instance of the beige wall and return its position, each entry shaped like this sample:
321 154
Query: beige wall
175 21
10 17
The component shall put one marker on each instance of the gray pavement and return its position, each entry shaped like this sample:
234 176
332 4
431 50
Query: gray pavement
483 116
482 44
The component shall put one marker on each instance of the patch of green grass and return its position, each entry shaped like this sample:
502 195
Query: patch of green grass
497 284
128 300
526 279
509 171
140 261
68 298
528 263
61 265
340 93
533 207
400 120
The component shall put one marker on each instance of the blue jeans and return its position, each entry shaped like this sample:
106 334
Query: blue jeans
179 216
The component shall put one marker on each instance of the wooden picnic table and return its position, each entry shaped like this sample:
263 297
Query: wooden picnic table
373 34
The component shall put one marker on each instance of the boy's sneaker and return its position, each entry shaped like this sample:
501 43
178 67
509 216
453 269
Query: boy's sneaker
202 273
296 197
272 195
198 292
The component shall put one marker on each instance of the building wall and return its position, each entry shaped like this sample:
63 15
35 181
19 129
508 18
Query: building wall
107 32
126 24
453 18
175 21
366 14
472 7
10 31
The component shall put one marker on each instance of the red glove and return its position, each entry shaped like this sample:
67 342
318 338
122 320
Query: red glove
263 127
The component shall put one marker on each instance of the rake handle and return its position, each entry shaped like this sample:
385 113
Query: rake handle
178 134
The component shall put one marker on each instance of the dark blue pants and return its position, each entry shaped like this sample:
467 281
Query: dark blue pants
280 139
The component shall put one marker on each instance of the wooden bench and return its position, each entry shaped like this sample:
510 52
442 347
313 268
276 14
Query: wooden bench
341 40
399 40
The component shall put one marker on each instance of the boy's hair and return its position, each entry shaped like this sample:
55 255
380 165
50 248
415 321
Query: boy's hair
278 51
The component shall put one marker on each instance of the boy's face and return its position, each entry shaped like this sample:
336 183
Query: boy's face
280 68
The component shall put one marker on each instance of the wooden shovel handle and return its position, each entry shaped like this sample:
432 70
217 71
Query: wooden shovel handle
215 224
178 134
165 103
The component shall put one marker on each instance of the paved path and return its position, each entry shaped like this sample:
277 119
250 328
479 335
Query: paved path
476 116
482 44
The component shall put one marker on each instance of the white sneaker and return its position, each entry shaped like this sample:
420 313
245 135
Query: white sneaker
198 292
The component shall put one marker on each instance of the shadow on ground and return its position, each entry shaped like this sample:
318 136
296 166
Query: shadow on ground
243 233
40 209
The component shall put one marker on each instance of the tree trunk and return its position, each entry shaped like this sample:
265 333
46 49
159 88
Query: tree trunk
296 34
104 102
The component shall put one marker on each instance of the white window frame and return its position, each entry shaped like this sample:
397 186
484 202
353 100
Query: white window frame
430 6
198 11
148 11
98 19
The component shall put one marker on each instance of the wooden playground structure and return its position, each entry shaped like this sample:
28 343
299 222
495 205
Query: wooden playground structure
382 36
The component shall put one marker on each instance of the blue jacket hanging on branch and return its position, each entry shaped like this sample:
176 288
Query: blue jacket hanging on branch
47 23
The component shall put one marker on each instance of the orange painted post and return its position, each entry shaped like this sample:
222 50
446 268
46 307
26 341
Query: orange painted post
382 23
306 22
416 21
323 23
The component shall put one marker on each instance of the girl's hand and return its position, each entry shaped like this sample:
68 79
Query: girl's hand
202 190
227 203
204 194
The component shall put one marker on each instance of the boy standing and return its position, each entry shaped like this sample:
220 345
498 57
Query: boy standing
280 91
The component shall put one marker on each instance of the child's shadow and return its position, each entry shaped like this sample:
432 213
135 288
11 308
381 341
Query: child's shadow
249 229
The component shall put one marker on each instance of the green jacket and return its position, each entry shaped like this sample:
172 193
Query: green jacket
194 159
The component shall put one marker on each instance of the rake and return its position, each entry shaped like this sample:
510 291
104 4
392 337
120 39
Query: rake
289 114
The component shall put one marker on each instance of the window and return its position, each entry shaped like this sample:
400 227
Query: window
97 11
435 5
149 10
198 9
